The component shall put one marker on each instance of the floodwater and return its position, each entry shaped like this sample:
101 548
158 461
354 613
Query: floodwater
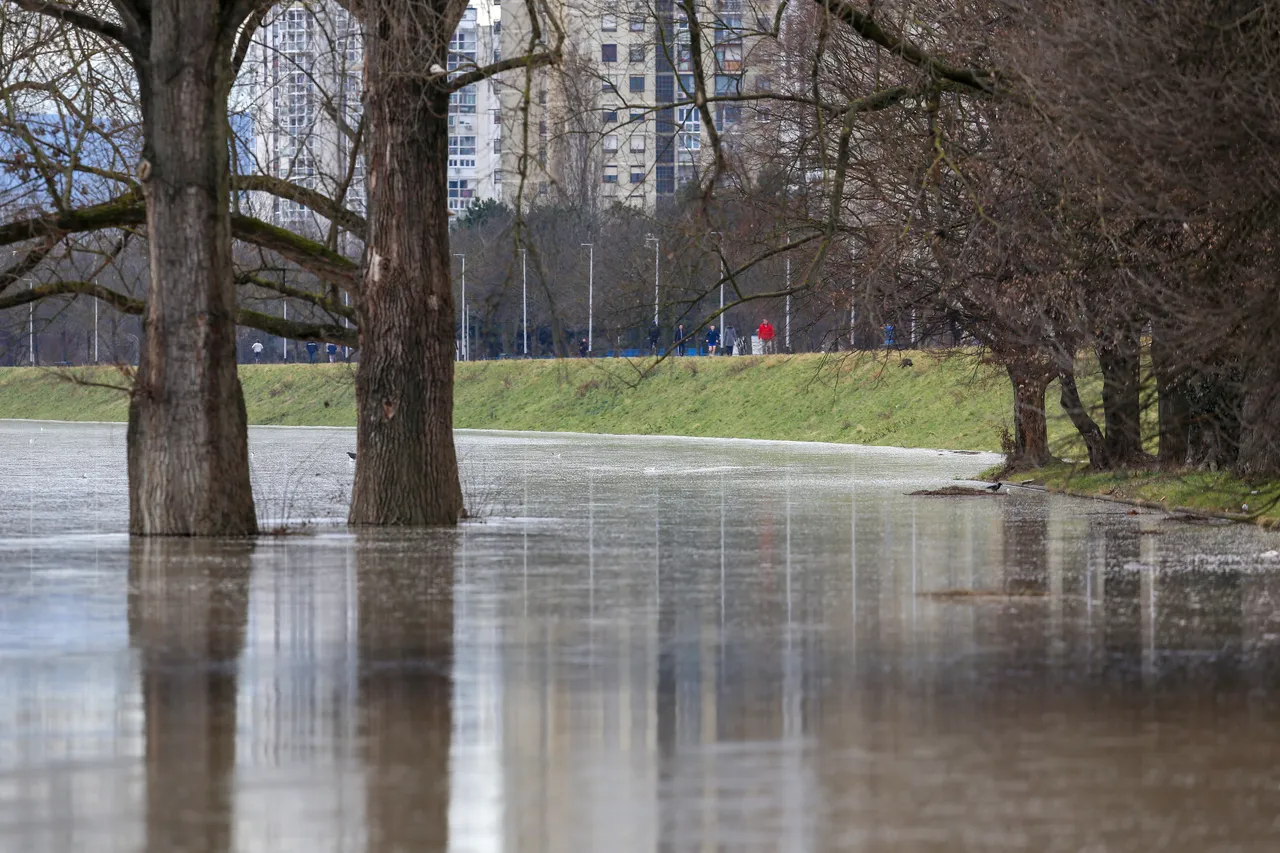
644 645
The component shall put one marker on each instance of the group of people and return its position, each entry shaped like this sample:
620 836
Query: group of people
313 349
765 332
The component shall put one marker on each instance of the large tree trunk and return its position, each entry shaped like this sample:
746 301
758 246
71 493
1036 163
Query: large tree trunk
1121 397
187 440
1085 425
406 465
1171 406
1259 453
1031 432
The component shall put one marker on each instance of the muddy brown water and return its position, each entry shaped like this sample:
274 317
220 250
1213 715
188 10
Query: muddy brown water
644 645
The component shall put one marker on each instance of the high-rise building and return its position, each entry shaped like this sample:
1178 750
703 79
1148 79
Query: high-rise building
475 122
616 123
302 83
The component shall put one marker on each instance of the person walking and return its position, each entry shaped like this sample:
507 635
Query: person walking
582 349
257 351
713 340
680 345
312 349
654 334
332 349
766 337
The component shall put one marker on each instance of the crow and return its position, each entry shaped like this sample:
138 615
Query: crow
352 455
995 487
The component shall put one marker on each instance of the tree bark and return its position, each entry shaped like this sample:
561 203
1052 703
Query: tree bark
1089 431
1121 397
1259 453
1031 431
1171 406
187 438
406 464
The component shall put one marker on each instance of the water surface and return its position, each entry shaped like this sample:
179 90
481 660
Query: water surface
643 645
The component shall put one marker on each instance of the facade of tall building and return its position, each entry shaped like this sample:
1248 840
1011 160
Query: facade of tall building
302 84
617 124
475 122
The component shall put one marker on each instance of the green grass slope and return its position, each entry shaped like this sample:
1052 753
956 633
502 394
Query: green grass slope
946 401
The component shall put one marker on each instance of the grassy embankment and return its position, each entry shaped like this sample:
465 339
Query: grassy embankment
939 402
942 401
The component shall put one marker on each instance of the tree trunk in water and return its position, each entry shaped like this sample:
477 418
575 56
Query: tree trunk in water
1031 431
1085 425
1121 398
1171 406
187 439
406 465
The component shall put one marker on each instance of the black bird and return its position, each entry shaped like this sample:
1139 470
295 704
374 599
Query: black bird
352 455
992 488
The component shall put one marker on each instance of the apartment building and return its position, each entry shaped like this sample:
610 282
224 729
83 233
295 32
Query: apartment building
616 124
302 84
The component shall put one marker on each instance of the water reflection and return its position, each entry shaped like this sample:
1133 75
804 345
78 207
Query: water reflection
653 646
188 608
406 617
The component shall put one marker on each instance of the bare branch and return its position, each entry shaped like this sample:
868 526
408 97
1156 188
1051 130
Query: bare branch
80 20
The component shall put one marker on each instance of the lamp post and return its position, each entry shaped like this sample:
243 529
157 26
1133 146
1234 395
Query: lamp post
786 335
524 297
31 326
466 329
95 330
724 273
591 288
656 243
284 342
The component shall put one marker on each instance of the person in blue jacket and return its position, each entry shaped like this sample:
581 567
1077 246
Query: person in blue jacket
713 340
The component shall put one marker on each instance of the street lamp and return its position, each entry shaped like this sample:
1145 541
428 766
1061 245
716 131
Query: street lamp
31 325
466 330
284 342
95 330
724 273
524 296
786 340
591 287
656 243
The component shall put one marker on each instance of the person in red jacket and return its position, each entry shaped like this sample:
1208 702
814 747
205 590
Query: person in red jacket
766 337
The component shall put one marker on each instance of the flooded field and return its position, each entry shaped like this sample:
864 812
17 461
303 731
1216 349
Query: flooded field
641 645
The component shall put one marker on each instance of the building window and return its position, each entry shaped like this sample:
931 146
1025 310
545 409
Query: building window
763 83
610 174
611 143
460 194
462 146
608 22
729 29
729 58
637 24
608 84
637 174
610 116
497 146
608 53
728 114
637 142
637 82
728 84
542 97
636 53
